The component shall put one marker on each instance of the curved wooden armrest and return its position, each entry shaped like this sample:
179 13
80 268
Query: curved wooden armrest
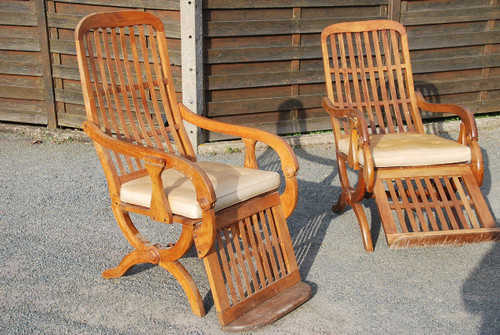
359 139
156 161
468 131
462 112
289 164
353 114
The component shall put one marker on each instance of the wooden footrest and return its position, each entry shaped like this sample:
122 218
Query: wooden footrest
252 268
428 209
272 309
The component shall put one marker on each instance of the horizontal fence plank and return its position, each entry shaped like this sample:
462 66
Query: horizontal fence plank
282 127
22 69
465 85
249 4
450 15
218 82
17 18
67 96
245 106
147 4
20 92
455 64
69 21
71 120
222 56
23 116
273 27
19 44
65 47
455 40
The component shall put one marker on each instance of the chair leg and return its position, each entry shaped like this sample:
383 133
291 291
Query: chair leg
363 225
167 258
252 269
131 259
341 203
352 197
184 278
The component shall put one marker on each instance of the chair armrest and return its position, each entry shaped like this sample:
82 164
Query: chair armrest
250 136
468 131
359 139
156 161
462 112
351 113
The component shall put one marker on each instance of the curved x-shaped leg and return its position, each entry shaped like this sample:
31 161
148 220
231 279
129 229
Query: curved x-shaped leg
135 257
167 258
352 197
188 285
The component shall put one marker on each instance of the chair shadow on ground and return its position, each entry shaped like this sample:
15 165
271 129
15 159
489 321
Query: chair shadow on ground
313 215
481 292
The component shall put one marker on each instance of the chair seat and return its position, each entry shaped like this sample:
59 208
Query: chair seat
232 184
410 149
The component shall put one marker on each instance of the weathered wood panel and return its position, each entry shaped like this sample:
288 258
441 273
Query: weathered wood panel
27 30
454 47
22 88
62 17
262 58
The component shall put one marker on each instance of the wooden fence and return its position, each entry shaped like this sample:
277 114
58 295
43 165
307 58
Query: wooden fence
262 58
39 80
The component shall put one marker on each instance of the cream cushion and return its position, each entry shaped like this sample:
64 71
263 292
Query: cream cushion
409 149
232 184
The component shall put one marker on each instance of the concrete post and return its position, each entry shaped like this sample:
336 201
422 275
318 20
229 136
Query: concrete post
192 63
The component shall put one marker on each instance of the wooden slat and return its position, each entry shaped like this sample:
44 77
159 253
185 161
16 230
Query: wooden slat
225 268
218 82
69 21
450 15
241 259
395 201
276 242
150 4
257 256
261 250
233 266
17 18
460 190
454 40
437 205
407 205
248 254
274 27
249 4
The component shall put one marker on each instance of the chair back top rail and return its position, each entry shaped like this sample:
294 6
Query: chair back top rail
367 67
129 90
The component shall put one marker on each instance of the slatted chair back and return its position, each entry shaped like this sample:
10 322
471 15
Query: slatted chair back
369 67
127 69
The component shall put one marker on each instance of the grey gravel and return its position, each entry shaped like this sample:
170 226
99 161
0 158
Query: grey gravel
57 235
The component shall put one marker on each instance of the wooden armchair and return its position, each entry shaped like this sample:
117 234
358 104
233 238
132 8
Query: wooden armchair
234 215
426 187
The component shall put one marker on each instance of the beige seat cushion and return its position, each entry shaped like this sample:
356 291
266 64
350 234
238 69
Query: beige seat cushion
232 184
409 149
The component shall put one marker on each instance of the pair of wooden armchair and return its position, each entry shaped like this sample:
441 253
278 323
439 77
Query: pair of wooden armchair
234 215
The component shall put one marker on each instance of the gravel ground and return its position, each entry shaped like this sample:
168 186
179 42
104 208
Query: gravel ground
57 235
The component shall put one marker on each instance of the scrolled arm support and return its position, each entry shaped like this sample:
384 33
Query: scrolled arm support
289 164
468 131
465 115
359 140
156 161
